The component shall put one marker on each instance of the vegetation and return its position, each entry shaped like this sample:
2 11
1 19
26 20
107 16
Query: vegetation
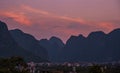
18 65
95 69
13 65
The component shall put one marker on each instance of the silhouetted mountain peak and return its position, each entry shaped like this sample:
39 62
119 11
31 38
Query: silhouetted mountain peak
118 29
96 34
81 36
28 42
9 47
17 31
44 40
98 46
3 26
54 38
115 31
73 37
20 33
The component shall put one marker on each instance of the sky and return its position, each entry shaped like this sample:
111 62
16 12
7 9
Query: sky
60 18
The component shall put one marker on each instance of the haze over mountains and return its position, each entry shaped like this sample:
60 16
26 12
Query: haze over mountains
97 47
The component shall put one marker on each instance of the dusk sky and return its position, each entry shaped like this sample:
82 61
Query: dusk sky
60 18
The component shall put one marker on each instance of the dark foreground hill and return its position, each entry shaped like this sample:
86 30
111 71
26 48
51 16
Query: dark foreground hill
29 43
97 47
9 47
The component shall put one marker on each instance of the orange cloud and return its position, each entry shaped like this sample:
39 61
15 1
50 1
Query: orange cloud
58 24
106 25
35 10
100 25
18 17
48 14
72 19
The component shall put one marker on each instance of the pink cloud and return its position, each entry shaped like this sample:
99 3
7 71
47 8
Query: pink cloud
107 25
49 24
18 17
52 15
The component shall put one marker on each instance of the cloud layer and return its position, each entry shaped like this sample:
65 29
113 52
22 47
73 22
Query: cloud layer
47 24
18 17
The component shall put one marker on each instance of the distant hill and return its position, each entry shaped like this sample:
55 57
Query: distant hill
9 47
54 45
97 47
29 43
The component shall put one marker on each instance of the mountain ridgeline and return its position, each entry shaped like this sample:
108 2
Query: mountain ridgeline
29 43
10 46
97 47
54 47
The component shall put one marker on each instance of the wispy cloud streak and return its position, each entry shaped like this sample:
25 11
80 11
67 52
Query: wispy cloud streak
103 25
51 14
18 17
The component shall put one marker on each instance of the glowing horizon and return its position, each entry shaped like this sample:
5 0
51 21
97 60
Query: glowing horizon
61 18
